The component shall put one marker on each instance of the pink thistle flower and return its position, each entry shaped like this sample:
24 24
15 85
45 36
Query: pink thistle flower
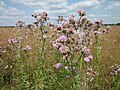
75 32
13 41
27 48
71 18
63 38
64 23
55 45
80 11
58 65
86 50
86 59
59 27
98 21
90 57
9 40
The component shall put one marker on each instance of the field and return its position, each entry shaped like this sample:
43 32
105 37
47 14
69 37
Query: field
28 61
109 56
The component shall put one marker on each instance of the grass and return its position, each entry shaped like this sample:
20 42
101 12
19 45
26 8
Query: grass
31 72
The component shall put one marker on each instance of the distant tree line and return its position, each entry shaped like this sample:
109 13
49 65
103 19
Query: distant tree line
7 26
118 24
14 26
112 24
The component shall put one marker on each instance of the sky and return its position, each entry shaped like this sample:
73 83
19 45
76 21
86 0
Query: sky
13 10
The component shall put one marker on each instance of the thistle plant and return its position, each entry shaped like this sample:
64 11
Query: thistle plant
55 57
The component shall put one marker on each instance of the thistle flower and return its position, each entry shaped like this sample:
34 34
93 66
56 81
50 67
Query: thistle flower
86 59
90 57
63 38
71 18
27 48
59 27
58 65
98 22
85 50
81 12
64 24
12 41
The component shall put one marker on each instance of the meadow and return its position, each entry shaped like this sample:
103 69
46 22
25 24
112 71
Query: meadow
68 57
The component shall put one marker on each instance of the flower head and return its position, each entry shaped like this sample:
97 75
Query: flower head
86 50
58 65
90 57
62 38
86 59
27 48
13 41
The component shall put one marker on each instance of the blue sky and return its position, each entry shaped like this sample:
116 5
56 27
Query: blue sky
14 10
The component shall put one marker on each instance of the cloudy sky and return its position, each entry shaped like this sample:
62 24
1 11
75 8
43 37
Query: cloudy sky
14 10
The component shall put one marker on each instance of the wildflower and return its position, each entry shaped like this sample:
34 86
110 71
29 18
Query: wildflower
27 48
71 17
79 11
20 24
90 57
86 59
98 22
74 31
59 27
58 65
86 50
62 38
64 50
64 23
12 41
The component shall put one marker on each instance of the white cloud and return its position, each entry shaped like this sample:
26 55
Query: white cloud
38 3
52 7
84 4
2 5
113 5
11 11
8 15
